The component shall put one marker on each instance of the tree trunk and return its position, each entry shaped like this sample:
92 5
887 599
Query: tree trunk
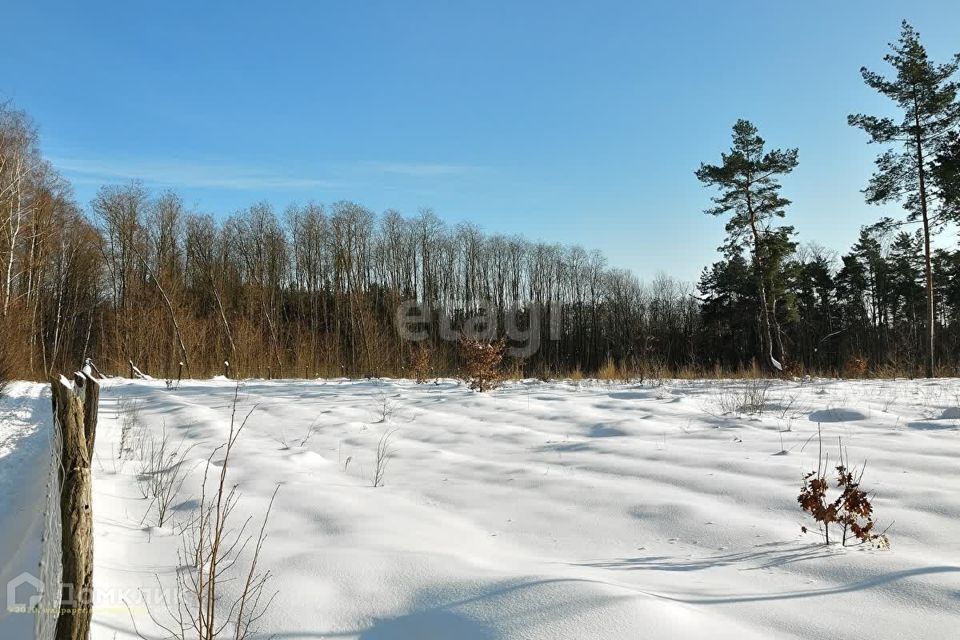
767 347
928 268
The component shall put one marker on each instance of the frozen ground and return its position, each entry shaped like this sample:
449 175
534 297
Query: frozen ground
24 461
551 511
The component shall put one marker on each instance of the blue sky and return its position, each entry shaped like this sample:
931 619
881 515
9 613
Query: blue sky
575 122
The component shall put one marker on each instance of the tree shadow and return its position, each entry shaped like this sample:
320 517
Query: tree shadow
445 621
433 624
931 426
777 554
860 585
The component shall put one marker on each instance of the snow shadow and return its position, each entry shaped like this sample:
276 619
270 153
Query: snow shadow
601 430
837 415
765 556
872 582
528 602
632 395
435 624
931 426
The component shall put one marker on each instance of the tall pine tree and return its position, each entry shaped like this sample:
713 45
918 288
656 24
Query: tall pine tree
747 178
927 98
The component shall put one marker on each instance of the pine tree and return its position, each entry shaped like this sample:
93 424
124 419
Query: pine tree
904 267
946 175
946 274
813 310
927 97
728 312
868 253
747 178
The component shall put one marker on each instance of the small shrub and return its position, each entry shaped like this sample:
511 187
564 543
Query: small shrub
851 510
386 407
300 442
162 474
749 398
482 362
420 363
384 454
755 396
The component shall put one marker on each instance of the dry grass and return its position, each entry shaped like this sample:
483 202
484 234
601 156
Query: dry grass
855 367
610 372
747 398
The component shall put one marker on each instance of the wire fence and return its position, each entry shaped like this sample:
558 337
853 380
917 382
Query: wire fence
51 561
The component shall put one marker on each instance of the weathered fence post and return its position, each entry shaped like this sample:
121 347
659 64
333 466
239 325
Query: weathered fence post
76 412
90 395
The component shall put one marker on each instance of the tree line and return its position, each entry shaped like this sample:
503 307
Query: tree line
327 290
892 294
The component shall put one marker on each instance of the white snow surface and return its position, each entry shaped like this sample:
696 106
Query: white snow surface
25 417
562 510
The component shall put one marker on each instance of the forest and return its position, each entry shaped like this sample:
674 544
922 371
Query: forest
332 289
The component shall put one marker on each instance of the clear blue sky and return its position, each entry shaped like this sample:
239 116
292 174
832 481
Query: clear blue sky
577 122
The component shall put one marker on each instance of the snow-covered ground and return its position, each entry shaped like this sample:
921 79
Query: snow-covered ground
24 462
573 510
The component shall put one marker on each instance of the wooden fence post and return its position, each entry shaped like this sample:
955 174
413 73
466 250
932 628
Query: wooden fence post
90 395
76 412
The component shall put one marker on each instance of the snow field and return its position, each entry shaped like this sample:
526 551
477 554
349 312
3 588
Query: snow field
552 510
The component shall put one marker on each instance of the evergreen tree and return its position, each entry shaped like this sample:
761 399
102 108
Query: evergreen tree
868 254
728 311
852 292
747 178
905 268
927 97
810 286
946 274
777 246
946 174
